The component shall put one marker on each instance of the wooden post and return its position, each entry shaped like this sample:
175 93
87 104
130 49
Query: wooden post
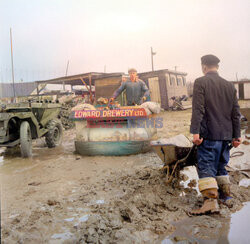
152 59
84 83
90 86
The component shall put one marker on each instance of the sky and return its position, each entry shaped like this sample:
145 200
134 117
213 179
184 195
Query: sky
115 35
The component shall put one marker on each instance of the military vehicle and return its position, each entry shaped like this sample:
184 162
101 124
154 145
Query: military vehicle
22 122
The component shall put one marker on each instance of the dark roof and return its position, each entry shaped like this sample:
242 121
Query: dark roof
163 71
75 79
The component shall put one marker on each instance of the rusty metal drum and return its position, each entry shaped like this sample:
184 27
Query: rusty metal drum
119 132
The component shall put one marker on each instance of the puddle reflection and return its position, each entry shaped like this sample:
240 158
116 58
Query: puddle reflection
209 229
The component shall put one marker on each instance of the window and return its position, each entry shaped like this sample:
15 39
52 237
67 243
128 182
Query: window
172 81
179 81
167 80
184 81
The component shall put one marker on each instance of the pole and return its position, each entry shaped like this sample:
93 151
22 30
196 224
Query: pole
152 60
12 65
67 68
66 73
236 76
90 86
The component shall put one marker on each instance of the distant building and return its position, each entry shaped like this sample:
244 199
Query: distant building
165 84
21 89
243 88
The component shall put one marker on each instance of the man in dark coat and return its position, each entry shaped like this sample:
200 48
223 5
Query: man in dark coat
215 126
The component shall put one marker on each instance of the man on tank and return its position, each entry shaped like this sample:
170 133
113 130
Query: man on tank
136 89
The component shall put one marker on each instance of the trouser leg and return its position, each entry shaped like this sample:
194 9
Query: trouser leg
222 176
224 159
208 156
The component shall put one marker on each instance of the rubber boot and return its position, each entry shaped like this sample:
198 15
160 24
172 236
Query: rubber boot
225 195
210 204
224 190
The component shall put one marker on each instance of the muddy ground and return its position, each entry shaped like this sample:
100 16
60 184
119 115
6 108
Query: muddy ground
60 197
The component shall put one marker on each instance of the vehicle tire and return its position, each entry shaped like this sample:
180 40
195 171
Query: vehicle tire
53 137
25 140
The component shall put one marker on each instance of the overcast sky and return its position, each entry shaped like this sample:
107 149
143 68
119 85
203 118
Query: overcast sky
119 34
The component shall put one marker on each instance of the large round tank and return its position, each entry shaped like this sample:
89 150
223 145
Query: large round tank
113 138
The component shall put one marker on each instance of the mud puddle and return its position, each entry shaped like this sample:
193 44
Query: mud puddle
213 229
11 160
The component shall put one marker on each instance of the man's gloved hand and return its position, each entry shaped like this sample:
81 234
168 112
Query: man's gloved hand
111 100
236 142
197 140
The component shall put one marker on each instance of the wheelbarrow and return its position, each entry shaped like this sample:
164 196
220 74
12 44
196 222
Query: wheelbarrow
174 157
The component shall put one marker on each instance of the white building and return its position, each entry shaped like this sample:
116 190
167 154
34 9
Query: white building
243 89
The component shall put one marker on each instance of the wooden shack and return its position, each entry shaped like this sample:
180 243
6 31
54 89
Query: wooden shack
105 86
165 84
106 83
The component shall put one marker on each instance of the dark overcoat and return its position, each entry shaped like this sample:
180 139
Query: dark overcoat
215 109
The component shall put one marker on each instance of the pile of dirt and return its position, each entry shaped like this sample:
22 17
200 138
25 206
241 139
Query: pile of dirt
65 113
142 208
68 102
140 204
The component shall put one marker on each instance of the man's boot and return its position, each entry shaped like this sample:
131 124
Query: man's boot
224 191
208 188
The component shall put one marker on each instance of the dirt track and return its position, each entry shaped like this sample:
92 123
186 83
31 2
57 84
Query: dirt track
58 195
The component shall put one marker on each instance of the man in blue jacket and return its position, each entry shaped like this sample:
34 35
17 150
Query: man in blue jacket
136 89
215 126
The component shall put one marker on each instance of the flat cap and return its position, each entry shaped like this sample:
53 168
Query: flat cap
209 60
132 70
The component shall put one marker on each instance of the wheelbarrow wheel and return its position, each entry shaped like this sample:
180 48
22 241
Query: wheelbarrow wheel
25 140
53 137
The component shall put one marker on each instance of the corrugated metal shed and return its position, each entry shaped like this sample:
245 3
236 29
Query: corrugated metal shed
21 89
